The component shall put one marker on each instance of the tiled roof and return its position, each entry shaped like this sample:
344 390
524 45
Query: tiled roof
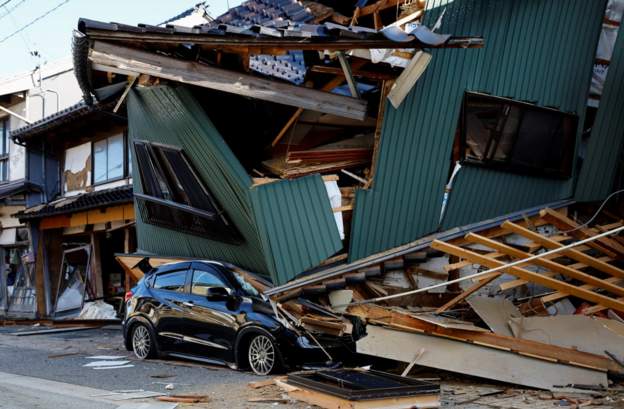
74 112
85 201
270 13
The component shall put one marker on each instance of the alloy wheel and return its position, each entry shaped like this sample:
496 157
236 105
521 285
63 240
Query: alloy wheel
141 342
261 355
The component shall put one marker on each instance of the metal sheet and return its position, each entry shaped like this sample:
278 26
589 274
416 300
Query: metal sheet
287 226
535 51
604 147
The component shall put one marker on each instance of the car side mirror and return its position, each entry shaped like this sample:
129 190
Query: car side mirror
217 293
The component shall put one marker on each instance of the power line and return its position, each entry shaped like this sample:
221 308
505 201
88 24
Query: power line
10 10
34 21
5 3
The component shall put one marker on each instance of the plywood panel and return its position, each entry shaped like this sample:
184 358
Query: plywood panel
474 360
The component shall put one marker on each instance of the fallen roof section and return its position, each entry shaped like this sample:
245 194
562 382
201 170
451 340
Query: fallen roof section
328 36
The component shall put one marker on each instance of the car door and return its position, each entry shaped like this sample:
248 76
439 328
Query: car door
212 323
170 290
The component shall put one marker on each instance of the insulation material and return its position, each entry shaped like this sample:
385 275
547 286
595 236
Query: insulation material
77 171
97 310
335 198
604 51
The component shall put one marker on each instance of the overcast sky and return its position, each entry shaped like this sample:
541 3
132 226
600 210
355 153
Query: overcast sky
51 35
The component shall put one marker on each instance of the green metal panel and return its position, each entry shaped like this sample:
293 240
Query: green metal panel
539 50
172 116
605 144
296 221
286 225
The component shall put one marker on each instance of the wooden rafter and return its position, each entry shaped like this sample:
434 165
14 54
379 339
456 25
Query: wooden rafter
530 276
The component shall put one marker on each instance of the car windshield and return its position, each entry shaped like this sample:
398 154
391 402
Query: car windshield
243 278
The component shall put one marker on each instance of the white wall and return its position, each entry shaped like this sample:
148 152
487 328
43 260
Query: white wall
64 85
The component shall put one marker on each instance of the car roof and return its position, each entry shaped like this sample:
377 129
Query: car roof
177 265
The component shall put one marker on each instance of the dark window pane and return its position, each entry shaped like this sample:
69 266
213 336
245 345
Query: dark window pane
188 181
173 281
167 174
203 280
514 136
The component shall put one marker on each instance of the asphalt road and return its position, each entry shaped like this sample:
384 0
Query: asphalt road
61 358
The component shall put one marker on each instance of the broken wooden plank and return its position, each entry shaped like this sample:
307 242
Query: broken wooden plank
467 293
551 265
530 276
335 82
536 350
190 72
577 266
571 253
408 78
605 245
346 69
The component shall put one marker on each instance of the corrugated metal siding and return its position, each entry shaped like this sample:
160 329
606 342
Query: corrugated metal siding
296 222
288 226
172 116
605 143
539 50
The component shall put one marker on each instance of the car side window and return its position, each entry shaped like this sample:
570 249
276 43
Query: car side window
203 280
171 281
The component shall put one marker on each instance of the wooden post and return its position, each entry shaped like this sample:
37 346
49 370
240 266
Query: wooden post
40 292
96 266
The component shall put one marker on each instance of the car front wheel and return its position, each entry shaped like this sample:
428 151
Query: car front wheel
263 355
143 342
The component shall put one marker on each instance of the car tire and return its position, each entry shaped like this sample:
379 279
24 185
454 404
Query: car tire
143 342
263 355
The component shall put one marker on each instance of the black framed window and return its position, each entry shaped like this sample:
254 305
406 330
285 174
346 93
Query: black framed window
4 150
515 136
170 281
175 197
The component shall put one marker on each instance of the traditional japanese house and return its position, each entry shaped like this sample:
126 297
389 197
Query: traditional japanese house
24 98
84 212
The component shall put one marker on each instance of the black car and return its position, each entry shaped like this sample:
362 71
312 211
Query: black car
209 311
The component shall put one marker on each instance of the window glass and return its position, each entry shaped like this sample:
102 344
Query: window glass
99 161
173 281
115 156
203 280
108 159
4 148
510 135
167 174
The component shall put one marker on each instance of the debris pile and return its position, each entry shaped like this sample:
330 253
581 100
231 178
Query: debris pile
535 302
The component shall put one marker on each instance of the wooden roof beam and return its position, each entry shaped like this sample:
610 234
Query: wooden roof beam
530 276
189 72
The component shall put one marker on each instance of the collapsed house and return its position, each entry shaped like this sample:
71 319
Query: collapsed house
381 172
292 175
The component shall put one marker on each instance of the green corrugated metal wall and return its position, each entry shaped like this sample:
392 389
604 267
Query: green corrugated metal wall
285 213
277 243
538 50
605 144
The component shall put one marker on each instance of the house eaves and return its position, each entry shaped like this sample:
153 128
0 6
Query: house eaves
79 111
85 201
